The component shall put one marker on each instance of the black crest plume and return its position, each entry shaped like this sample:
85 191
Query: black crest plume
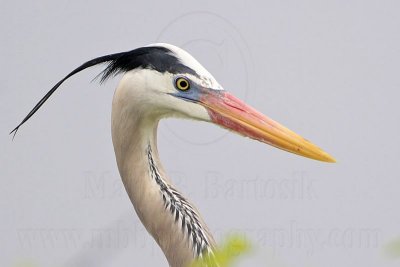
152 57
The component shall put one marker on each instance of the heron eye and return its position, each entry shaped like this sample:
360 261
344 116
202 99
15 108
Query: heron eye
182 84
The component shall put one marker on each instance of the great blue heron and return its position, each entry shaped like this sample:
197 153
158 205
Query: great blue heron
162 80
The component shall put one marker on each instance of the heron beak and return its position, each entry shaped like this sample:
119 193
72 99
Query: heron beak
232 113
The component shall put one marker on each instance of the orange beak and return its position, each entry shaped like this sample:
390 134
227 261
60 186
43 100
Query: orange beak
232 113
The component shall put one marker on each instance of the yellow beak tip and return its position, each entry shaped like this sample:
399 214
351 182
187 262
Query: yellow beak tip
328 158
332 160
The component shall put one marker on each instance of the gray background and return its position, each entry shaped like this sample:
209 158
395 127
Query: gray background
327 69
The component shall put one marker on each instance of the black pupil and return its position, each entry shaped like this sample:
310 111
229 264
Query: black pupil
183 84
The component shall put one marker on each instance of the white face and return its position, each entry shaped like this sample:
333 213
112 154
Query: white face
154 92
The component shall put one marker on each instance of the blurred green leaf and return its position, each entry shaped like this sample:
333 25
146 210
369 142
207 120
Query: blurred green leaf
24 263
393 248
226 255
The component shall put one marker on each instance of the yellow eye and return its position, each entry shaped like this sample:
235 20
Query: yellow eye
182 84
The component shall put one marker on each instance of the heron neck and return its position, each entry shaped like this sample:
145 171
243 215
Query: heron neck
172 220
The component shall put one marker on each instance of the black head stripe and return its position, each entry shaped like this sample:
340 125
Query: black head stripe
157 58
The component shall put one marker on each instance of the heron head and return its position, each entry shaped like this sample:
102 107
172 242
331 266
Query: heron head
163 80
186 89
